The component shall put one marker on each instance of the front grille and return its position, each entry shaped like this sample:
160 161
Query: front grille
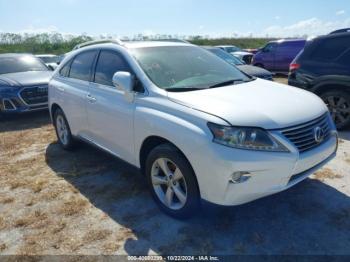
34 95
303 136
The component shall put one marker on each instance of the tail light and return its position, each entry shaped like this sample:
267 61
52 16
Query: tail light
294 66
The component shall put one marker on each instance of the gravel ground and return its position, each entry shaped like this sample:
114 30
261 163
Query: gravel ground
88 202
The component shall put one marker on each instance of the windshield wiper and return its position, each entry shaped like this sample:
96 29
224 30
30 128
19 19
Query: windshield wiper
182 89
226 83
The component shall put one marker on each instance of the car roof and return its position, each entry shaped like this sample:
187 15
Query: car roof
133 44
333 35
141 44
288 40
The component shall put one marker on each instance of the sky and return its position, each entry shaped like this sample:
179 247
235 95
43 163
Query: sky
219 18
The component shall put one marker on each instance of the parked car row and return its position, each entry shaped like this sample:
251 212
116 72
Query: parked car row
198 128
320 65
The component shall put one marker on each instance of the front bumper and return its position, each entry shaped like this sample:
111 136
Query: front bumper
12 103
270 172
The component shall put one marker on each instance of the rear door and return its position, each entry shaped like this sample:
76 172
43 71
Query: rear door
110 115
285 54
72 89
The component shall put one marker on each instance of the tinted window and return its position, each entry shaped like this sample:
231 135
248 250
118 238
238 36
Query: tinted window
82 66
108 63
16 64
65 69
330 49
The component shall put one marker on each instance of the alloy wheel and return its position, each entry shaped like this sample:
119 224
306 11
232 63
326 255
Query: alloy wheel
169 184
339 109
62 129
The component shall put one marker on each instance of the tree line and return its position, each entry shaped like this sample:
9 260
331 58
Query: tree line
56 43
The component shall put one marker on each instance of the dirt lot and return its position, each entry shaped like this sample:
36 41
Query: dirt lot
88 202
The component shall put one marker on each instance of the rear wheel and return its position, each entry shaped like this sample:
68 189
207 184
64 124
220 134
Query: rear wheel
172 181
338 103
63 132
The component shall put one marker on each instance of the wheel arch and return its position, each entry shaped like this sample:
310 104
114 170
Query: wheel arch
151 142
53 109
331 86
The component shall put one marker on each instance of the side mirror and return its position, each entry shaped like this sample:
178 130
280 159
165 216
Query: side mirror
124 81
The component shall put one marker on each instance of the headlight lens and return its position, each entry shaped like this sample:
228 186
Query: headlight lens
245 138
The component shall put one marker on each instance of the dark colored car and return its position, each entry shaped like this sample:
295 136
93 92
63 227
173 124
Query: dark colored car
23 83
323 67
276 56
248 69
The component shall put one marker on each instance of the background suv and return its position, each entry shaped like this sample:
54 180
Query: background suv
196 126
23 83
276 56
323 67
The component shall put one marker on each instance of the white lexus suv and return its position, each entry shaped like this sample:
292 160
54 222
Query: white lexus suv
198 128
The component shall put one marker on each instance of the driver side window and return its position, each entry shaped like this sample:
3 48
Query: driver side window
108 63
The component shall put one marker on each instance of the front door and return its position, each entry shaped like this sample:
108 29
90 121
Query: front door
110 115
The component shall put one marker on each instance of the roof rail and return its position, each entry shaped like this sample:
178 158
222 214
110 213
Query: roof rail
96 42
344 30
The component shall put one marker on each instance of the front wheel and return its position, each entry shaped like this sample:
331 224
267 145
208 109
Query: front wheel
172 182
338 103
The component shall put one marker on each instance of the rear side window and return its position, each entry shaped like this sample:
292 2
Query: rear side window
330 49
65 69
81 67
109 63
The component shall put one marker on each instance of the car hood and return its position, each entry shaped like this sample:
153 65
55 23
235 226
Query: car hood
26 78
258 103
254 70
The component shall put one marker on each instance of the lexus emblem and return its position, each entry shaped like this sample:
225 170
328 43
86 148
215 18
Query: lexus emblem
319 134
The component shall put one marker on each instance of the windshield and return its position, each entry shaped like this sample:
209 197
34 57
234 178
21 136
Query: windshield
49 59
184 67
18 64
226 56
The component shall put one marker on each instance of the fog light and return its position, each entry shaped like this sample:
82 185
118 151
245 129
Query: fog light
239 177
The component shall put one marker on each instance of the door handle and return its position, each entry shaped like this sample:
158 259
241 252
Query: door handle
60 89
91 99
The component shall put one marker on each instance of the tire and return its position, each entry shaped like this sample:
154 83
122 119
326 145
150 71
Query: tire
176 193
64 135
338 103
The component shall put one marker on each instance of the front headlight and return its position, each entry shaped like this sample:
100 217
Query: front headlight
245 138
